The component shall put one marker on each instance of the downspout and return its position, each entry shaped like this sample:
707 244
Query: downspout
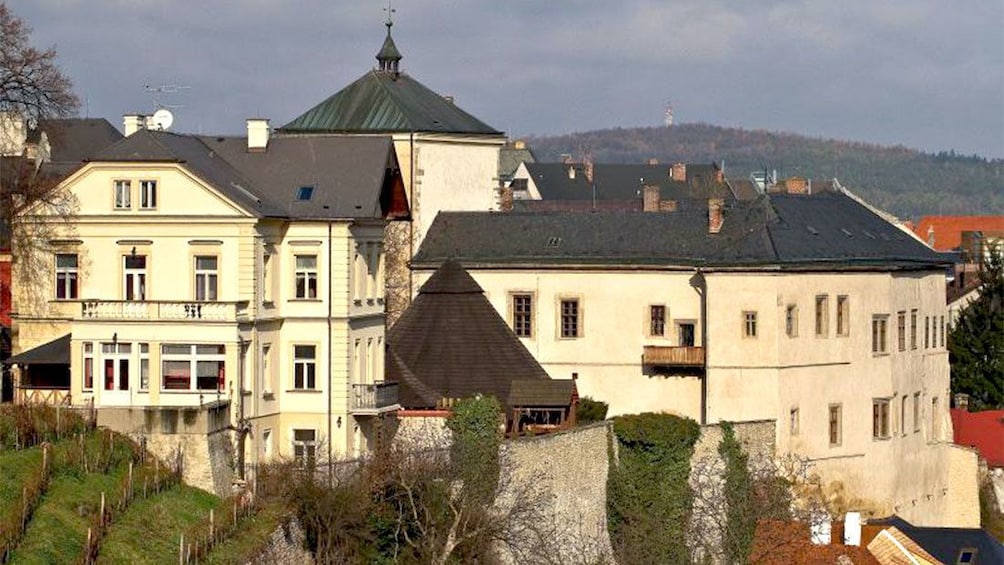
703 291
412 205
330 386
242 427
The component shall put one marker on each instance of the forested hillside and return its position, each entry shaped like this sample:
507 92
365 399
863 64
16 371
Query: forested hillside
903 181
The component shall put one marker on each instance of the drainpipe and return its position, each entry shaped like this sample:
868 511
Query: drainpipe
330 381
242 426
411 225
702 289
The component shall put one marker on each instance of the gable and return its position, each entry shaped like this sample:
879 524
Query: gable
178 192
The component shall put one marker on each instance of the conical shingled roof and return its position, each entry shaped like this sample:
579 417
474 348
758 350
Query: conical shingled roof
388 53
451 343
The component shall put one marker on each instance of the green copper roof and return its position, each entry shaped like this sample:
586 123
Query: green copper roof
382 101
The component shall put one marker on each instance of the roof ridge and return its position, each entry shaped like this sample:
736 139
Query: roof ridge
390 94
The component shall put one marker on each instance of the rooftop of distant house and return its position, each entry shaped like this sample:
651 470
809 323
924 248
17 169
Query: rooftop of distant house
981 430
944 233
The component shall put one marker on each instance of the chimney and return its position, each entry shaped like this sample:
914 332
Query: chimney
132 123
678 172
571 171
505 199
589 170
852 528
930 236
652 161
448 98
667 205
519 144
258 132
650 198
796 185
715 214
962 401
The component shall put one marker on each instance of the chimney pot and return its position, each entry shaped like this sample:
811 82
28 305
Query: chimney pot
652 161
715 214
962 401
588 170
678 172
258 134
852 528
131 123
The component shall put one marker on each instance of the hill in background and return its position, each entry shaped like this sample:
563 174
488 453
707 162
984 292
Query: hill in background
905 182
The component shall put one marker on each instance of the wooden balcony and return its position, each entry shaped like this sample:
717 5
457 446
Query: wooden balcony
374 398
672 356
52 396
159 310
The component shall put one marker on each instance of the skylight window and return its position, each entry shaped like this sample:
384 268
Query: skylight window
304 193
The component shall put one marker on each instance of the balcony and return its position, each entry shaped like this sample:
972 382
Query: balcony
374 398
157 310
53 396
677 357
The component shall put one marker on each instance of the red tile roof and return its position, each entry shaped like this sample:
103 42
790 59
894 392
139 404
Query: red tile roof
948 229
982 430
776 543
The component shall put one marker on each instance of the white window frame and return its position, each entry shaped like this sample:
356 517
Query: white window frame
305 274
148 194
880 419
657 324
749 324
304 368
901 330
134 278
207 280
570 321
880 334
122 194
67 277
304 450
193 357
144 366
266 369
117 353
522 319
87 371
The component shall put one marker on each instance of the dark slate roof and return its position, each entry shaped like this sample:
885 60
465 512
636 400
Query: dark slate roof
74 139
541 392
944 544
386 102
828 230
347 173
451 343
624 182
55 352
510 158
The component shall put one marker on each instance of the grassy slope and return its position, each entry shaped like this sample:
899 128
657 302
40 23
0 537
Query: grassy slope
149 530
57 531
14 467
250 539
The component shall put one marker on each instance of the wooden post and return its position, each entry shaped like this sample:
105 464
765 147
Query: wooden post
87 557
212 524
129 496
57 420
181 550
45 458
102 509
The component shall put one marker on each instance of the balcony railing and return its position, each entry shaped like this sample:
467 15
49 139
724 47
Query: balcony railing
42 395
374 398
663 356
161 310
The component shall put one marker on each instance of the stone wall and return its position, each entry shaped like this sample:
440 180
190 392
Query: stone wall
571 468
206 460
963 498
285 545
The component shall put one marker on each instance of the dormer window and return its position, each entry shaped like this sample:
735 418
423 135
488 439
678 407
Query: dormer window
304 193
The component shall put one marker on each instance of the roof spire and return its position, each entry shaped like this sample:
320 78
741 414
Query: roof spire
388 57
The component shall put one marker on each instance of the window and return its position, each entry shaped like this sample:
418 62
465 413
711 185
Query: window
205 277
116 365
927 332
88 366
306 276
268 269
66 276
942 331
123 195
916 412
266 369
657 320
304 367
879 327
686 332
822 315
791 320
843 315
144 366
305 448
793 421
522 315
935 427
570 318
266 443
967 556
180 361
880 418
305 193
147 194
749 323
835 425
135 277
913 329
902 416
901 329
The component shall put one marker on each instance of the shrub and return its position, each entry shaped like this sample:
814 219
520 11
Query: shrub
590 411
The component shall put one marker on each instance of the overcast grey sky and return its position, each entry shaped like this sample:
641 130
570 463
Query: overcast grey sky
922 73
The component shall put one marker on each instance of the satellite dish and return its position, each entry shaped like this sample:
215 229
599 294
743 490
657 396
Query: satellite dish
162 119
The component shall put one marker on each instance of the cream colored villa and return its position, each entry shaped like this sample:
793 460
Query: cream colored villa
213 283
807 310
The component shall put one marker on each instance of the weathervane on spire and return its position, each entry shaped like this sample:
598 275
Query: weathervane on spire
389 57
390 14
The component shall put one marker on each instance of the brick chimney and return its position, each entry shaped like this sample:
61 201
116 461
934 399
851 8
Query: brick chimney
132 123
678 172
652 161
796 185
962 401
258 133
505 199
715 214
650 198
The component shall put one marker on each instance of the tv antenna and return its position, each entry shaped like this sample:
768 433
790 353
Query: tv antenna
668 116
162 117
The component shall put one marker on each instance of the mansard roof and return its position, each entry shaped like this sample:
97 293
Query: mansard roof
451 343
620 181
829 230
347 176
